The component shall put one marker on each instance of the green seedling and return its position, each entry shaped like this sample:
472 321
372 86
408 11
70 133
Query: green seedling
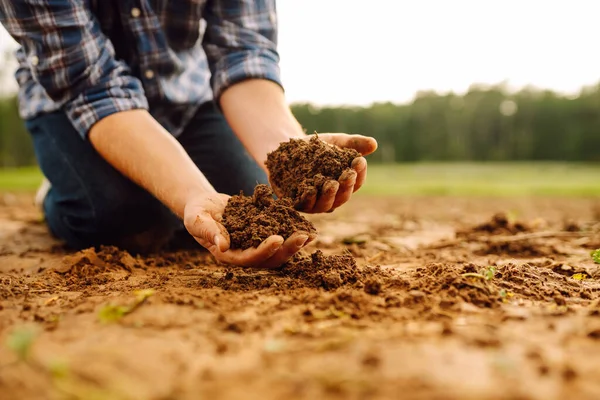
487 274
512 216
67 384
596 256
59 369
505 294
113 313
21 342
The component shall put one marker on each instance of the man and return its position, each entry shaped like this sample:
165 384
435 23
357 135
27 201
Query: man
146 113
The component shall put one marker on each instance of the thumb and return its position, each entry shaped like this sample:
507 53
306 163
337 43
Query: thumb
365 145
209 232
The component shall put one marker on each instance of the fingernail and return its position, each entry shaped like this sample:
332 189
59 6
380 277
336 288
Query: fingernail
332 186
356 162
275 248
348 176
300 240
217 242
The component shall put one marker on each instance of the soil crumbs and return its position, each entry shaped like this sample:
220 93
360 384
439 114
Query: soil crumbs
300 168
455 317
252 219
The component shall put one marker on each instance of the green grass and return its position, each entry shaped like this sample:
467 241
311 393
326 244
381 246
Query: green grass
485 179
20 179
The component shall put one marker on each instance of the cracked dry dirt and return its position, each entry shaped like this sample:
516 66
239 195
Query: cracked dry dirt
450 298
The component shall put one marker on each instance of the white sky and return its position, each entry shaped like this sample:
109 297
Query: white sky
358 52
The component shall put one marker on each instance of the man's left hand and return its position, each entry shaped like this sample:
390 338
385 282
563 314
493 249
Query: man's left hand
337 192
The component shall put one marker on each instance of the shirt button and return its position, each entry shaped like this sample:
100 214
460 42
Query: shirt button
135 12
149 74
34 60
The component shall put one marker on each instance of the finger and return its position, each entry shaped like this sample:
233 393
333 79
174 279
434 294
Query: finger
363 144
327 197
291 246
359 164
311 238
209 232
307 200
347 181
253 256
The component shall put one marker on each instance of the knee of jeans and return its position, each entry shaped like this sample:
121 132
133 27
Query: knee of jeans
105 220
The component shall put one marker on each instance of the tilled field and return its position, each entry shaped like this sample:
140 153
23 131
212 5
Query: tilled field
413 298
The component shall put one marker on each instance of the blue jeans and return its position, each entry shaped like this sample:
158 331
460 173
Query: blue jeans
91 203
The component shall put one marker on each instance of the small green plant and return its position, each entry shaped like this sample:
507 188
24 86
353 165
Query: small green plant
489 273
512 216
112 313
59 369
505 294
596 256
486 274
21 341
65 383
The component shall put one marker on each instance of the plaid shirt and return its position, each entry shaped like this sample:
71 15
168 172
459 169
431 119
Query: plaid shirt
93 58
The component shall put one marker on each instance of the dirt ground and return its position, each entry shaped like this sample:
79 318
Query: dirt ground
449 300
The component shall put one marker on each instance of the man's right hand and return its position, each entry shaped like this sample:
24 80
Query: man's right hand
201 218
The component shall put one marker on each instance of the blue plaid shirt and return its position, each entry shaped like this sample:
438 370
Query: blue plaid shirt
93 58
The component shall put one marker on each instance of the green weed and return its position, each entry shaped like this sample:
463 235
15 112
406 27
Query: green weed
486 274
112 313
596 256
21 340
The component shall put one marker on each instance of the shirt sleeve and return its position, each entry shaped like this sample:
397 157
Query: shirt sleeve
69 56
241 42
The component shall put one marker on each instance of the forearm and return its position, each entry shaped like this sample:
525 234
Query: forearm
142 150
258 113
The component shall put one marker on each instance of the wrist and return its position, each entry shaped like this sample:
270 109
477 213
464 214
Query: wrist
280 131
193 193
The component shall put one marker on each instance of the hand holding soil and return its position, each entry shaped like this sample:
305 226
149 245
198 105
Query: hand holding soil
320 172
313 174
248 231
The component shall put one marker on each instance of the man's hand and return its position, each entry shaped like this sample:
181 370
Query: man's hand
201 218
257 111
337 192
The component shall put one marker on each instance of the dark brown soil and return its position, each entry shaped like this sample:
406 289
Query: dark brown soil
250 220
327 272
300 167
500 223
315 271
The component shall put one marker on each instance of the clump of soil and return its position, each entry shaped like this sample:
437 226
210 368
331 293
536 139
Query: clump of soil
453 285
328 272
314 271
499 224
300 168
489 287
92 262
250 220
344 303
553 283
519 249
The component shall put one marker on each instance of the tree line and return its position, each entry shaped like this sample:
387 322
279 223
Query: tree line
488 123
